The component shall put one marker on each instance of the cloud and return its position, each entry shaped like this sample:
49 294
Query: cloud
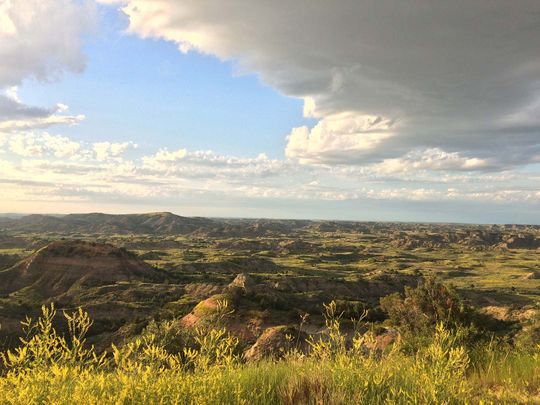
44 167
165 156
345 137
458 76
430 159
40 123
26 146
11 107
57 148
39 39
207 165
16 116
111 150
40 144
42 38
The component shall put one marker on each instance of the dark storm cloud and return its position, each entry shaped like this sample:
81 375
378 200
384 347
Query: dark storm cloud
460 75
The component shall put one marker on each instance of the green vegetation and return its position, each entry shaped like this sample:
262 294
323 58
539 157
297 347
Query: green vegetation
53 369
194 310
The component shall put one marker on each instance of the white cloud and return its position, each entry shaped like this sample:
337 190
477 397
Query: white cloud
44 167
430 159
40 122
38 144
345 137
61 146
164 155
26 146
12 94
111 150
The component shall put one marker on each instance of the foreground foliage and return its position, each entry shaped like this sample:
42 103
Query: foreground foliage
50 368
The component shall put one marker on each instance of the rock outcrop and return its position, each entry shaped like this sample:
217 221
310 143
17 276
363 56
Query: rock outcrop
275 342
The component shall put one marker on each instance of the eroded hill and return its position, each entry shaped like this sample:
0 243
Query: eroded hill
114 284
67 266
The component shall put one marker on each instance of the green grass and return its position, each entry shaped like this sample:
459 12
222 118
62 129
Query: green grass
49 368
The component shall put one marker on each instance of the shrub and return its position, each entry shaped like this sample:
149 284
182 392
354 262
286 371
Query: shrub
430 303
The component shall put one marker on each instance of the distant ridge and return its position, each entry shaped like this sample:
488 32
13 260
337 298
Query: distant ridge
411 235
152 223
157 223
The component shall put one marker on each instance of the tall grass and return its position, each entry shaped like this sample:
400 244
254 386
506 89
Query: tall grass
49 368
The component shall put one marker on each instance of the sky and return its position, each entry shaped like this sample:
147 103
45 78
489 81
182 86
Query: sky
348 109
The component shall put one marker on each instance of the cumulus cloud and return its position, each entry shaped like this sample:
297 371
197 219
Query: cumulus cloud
337 137
11 107
210 165
111 150
55 149
26 146
39 144
165 155
459 76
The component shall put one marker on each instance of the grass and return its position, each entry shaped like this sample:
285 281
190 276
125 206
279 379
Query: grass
396 380
49 368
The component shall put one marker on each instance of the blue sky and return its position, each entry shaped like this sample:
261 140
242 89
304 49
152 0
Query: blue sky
347 110
148 92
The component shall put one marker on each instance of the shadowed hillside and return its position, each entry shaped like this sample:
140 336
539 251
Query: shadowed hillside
60 266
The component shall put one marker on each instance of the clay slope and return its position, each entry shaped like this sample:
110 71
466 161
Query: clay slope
61 266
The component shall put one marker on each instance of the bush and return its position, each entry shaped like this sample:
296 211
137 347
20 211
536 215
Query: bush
529 336
417 312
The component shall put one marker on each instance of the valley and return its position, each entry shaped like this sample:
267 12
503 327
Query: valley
130 270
